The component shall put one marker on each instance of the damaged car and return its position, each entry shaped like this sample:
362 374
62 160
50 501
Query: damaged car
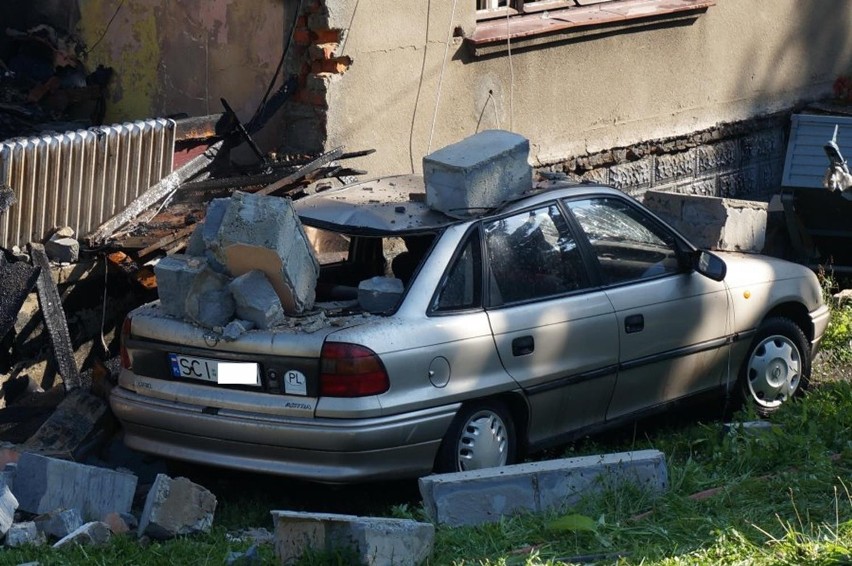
449 344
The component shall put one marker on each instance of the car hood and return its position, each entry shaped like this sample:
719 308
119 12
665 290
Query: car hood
752 271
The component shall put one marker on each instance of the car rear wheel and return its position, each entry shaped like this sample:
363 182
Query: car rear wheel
481 436
778 365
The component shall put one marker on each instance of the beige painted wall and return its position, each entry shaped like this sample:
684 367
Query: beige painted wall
173 57
740 59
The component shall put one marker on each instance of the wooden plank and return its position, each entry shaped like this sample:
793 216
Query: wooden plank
166 240
302 172
54 320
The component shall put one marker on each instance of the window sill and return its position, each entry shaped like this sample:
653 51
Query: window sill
567 23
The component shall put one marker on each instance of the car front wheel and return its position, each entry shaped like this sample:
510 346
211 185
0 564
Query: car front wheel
778 365
481 436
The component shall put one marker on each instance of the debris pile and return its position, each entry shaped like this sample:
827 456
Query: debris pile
250 258
45 86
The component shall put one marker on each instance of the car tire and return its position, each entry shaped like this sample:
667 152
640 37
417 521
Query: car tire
482 435
777 367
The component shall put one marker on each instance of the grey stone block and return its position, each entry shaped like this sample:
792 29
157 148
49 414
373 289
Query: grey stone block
24 533
209 302
379 294
59 484
237 328
633 175
264 233
482 496
94 533
59 523
477 173
377 541
8 506
668 167
195 245
176 507
723 155
713 223
62 250
256 300
175 274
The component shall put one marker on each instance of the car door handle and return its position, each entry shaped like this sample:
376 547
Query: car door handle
634 323
523 346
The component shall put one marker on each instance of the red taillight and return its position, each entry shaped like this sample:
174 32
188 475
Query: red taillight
349 370
125 334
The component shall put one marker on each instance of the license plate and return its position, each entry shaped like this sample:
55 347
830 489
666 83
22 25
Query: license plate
215 371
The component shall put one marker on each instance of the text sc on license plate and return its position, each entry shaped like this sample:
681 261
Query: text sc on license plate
215 371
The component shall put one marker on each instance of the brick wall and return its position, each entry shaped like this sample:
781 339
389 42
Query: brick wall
743 160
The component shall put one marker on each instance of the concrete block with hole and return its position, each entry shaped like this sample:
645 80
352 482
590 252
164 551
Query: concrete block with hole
485 496
375 541
478 173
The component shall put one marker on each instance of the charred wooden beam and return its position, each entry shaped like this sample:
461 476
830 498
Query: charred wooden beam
54 319
302 172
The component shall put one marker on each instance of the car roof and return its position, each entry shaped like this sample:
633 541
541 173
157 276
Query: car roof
396 205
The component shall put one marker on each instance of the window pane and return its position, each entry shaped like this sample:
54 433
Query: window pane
532 255
628 244
462 288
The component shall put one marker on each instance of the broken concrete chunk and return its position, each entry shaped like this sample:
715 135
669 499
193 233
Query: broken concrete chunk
116 523
377 541
256 300
59 523
209 302
260 232
93 533
63 232
379 294
62 250
237 328
195 244
176 507
213 222
24 533
478 173
59 484
175 275
8 506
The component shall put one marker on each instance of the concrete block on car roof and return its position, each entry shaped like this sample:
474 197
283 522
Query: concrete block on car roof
478 173
176 507
93 533
60 484
256 300
175 274
209 302
376 541
23 533
483 496
264 233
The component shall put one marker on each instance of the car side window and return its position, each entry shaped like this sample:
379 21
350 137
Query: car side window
462 287
532 255
628 243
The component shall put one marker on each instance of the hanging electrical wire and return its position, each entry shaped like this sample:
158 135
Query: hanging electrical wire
441 76
419 86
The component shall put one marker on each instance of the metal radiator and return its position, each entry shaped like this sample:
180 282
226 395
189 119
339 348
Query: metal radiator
80 179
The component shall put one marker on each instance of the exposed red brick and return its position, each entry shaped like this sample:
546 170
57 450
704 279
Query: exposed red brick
327 35
302 37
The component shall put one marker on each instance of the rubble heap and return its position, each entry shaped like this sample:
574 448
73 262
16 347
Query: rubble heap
249 259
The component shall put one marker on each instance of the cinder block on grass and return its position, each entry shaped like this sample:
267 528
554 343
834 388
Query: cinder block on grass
376 541
477 173
484 496
45 484
176 507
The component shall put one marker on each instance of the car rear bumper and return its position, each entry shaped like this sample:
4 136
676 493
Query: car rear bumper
323 450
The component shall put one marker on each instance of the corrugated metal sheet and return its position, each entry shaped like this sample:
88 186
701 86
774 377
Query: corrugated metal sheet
806 161
80 179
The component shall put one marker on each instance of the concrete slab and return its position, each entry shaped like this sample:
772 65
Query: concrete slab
477 173
209 302
176 507
24 533
59 484
175 274
256 300
377 541
483 496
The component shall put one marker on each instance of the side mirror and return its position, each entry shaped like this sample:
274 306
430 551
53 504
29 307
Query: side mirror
710 265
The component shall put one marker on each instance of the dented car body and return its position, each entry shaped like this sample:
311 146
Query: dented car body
570 309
